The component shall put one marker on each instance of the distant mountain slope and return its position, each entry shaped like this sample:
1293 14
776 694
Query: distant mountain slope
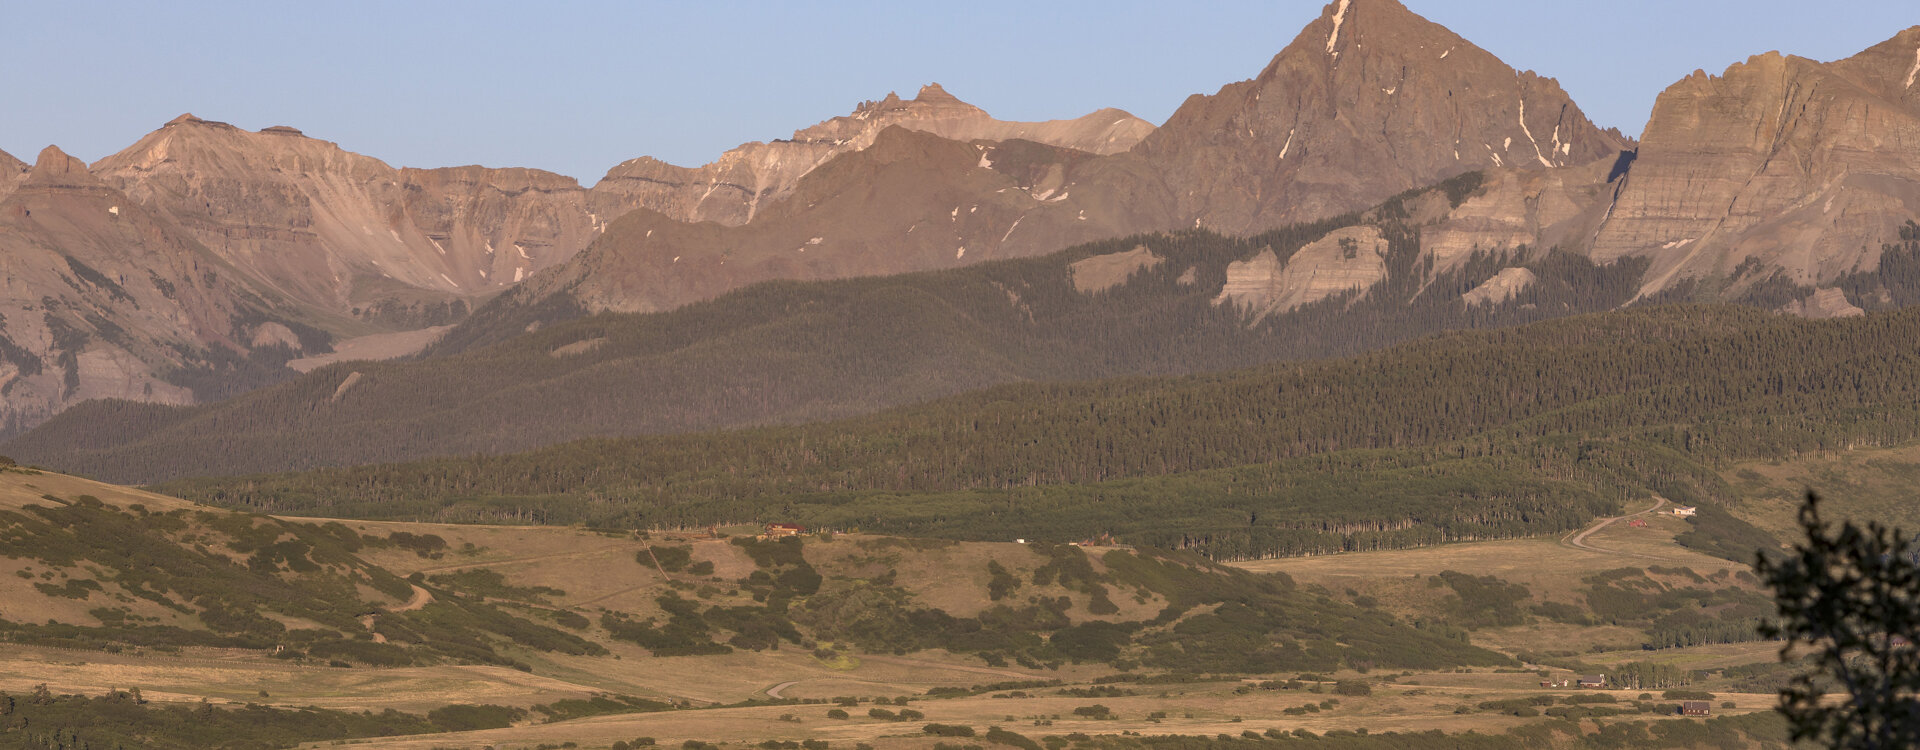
1472 435
1337 122
1779 165
347 234
787 352
102 298
735 188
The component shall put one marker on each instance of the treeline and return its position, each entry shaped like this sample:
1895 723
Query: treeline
1462 436
789 352
42 720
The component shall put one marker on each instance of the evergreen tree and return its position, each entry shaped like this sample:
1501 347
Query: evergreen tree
1853 596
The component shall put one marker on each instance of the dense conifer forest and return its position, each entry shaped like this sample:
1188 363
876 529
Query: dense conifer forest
1459 436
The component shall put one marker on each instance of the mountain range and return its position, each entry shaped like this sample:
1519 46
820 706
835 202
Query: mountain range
205 260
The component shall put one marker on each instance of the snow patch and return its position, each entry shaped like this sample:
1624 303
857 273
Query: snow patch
489 247
449 281
1449 51
985 163
396 235
1506 145
1676 243
1536 142
1082 216
518 274
1915 70
1289 144
1016 225
816 240
956 213
960 253
438 246
1339 17
115 210
676 259
523 251
1391 90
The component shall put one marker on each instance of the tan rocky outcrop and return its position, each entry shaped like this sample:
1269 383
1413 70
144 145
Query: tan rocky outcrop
1504 285
1823 304
1534 209
1099 273
1781 160
1352 259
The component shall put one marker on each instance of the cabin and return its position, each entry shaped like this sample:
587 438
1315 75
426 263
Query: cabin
1592 681
1696 708
780 530
1683 510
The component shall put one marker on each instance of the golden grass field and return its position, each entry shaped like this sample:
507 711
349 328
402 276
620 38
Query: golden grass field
603 571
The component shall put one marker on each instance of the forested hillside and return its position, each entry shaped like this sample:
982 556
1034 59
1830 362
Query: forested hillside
788 352
1459 436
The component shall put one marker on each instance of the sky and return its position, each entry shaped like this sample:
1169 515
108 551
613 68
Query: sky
577 87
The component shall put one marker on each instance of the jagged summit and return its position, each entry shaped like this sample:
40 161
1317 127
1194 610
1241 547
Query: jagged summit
1368 100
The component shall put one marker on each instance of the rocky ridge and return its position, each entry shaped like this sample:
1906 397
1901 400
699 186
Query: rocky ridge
733 189
1780 164
1341 119
102 298
347 234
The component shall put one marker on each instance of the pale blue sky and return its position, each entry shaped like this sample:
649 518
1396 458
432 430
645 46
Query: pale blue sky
576 87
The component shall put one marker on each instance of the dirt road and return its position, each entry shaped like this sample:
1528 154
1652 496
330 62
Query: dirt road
1578 539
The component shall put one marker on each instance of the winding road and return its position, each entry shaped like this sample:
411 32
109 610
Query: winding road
420 599
1578 539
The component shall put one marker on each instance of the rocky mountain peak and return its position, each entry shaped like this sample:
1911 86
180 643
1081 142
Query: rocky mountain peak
1369 100
934 93
54 168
